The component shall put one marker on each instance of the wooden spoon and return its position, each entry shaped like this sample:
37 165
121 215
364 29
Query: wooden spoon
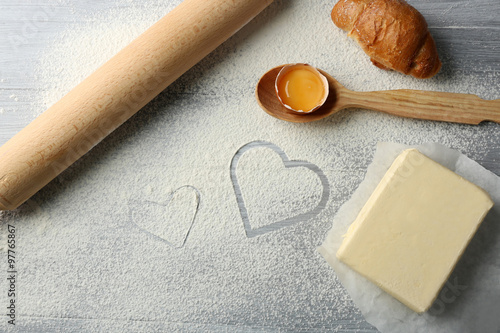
430 105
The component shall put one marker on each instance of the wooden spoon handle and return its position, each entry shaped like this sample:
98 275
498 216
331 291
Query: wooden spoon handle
430 105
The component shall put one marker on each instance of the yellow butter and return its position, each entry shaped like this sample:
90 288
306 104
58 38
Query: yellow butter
414 228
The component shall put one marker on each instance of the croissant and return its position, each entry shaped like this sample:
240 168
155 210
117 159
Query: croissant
392 33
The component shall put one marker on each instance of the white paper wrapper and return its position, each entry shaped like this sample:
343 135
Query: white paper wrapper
470 299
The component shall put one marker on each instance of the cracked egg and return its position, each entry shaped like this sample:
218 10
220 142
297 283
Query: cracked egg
301 88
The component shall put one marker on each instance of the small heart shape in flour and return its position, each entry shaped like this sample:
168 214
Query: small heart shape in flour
170 220
274 192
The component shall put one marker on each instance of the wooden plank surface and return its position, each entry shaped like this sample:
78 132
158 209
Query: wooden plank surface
467 34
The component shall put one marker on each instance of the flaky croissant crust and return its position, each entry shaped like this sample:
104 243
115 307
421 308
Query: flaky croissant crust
392 33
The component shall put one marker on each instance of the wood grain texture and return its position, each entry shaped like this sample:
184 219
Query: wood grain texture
115 92
428 105
468 39
417 104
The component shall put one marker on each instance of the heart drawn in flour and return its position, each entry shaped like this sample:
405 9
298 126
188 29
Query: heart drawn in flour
170 220
273 191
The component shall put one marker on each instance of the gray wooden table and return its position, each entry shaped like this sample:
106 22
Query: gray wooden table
468 40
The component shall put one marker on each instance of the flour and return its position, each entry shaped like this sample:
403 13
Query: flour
448 314
111 260
275 193
170 220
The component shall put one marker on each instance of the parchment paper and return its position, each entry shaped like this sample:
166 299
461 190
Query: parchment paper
470 299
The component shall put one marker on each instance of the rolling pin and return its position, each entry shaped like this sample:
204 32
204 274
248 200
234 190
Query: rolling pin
115 92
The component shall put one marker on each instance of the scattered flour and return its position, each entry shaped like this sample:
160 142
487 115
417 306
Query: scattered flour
170 220
275 193
108 269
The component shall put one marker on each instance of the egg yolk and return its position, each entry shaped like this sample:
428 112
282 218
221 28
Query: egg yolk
301 89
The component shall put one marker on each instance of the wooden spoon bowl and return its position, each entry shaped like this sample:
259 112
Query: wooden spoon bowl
430 105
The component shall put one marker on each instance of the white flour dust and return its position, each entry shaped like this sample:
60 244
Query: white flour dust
109 257
274 192
170 220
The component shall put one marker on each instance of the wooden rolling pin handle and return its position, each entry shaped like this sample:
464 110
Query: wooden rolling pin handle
115 92
429 105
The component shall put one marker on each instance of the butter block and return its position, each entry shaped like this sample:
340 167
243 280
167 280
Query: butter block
414 228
